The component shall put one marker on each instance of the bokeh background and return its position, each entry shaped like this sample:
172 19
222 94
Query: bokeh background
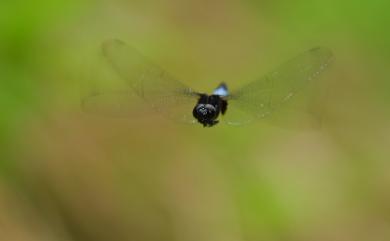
68 175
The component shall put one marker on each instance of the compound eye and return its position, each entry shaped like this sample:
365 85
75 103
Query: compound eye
206 111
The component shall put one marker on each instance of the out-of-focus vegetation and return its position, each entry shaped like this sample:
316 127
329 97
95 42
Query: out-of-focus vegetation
67 175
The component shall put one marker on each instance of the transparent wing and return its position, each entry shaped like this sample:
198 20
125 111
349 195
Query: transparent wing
104 93
260 98
160 90
113 104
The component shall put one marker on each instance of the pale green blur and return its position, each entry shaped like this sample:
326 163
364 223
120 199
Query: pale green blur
69 175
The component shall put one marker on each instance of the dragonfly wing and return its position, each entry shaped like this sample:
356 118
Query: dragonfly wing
113 104
260 98
159 89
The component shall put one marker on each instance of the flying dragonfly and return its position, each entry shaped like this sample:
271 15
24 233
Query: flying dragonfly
175 100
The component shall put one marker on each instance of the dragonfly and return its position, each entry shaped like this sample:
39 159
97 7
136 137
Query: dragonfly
179 102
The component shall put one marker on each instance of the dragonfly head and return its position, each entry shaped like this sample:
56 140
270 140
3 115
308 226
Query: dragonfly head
206 114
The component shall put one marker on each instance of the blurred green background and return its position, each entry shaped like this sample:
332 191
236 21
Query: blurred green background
66 175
